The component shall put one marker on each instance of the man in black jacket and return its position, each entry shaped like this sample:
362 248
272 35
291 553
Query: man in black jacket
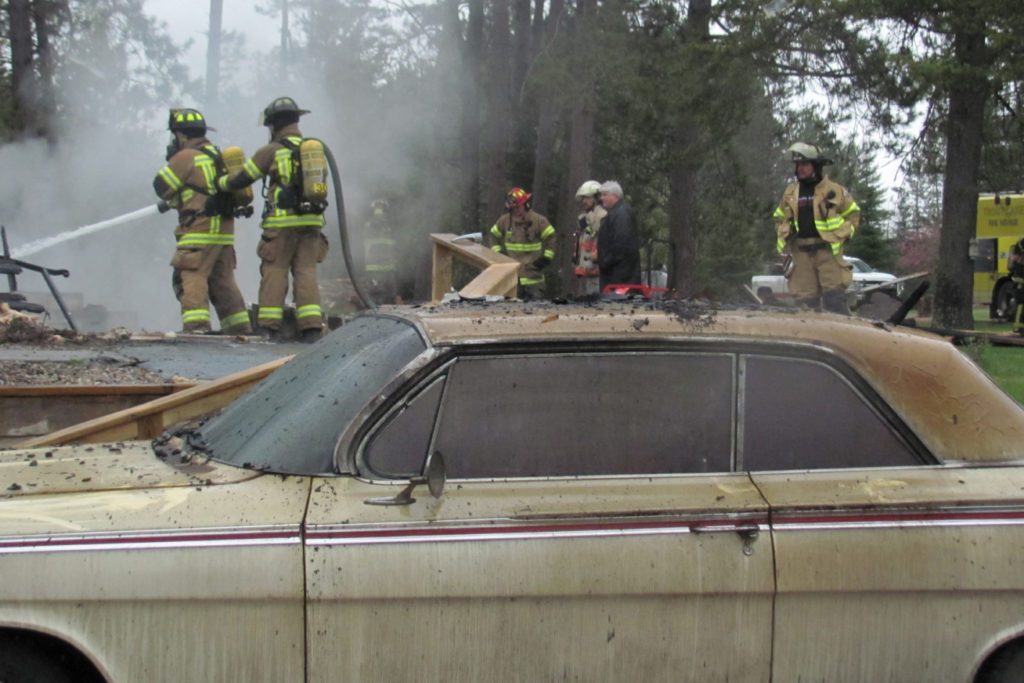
618 248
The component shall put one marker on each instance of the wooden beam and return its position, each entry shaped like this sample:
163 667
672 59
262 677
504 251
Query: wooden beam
499 273
147 420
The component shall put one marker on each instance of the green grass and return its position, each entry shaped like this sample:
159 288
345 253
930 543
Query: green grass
1004 364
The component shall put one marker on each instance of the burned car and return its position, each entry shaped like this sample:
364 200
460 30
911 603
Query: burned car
539 492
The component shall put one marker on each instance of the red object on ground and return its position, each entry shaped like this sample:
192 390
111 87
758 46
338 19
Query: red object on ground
626 290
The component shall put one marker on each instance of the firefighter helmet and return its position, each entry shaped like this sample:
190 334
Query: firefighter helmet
186 120
591 188
801 151
282 109
517 197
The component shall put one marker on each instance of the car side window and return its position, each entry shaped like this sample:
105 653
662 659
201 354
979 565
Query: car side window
802 414
400 447
592 414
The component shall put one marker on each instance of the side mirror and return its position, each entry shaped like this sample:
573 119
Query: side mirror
434 477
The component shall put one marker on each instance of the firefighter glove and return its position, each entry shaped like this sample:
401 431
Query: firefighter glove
541 263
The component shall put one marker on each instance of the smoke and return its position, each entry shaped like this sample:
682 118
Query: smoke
102 169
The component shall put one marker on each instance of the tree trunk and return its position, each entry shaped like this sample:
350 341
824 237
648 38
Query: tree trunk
581 151
47 104
547 126
22 73
682 235
522 42
213 58
469 140
683 174
954 282
499 110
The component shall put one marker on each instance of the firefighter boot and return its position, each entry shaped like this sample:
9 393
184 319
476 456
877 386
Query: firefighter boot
268 334
311 335
834 300
811 302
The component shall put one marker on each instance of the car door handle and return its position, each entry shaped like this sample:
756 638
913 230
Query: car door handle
748 532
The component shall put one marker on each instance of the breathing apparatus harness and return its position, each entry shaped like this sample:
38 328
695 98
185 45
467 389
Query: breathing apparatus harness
305 190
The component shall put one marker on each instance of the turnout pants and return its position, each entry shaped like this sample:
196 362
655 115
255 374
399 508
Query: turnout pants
208 275
816 269
294 250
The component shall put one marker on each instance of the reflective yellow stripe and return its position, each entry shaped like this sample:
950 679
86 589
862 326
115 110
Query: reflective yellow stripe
252 170
531 281
778 213
549 253
195 315
548 231
286 220
202 239
496 247
309 310
240 318
271 313
283 159
780 245
523 246
171 178
495 231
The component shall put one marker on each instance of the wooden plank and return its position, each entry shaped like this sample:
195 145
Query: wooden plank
149 419
501 279
496 268
27 411
441 274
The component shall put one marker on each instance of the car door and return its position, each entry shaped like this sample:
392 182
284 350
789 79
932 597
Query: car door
888 568
590 528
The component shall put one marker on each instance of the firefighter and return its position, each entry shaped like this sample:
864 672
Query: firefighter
585 240
292 238
815 217
1017 275
379 246
527 237
204 260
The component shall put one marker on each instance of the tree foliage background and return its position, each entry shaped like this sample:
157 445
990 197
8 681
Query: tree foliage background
440 106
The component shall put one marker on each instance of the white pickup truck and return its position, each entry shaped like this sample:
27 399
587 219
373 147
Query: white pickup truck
776 283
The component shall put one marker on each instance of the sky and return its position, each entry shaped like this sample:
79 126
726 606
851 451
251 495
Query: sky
189 19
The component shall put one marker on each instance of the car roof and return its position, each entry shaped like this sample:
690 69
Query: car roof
950 403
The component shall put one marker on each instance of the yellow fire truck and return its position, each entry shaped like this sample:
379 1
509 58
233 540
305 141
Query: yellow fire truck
1000 225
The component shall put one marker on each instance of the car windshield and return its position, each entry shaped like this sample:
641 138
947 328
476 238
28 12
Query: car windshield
859 265
290 421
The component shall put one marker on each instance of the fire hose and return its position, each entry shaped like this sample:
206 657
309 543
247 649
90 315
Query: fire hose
339 207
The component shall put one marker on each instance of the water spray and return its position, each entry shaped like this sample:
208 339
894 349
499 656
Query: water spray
67 236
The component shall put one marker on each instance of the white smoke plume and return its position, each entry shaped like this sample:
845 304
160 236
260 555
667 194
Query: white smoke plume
101 170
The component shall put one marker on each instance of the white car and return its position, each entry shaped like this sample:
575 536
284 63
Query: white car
776 282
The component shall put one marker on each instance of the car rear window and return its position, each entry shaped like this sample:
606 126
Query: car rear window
290 421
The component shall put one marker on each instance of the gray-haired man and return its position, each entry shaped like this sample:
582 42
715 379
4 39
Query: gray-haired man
618 248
